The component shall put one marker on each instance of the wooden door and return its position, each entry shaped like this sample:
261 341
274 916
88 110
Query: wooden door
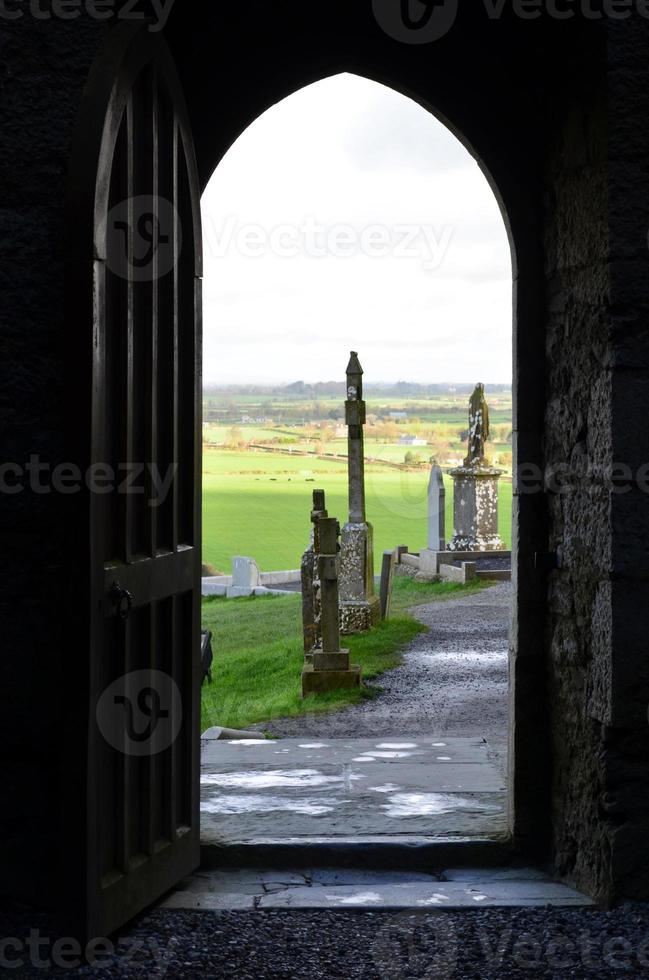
142 831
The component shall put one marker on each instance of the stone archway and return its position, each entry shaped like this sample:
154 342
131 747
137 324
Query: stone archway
529 746
266 168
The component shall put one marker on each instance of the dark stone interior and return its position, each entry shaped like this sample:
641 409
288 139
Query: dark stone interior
555 112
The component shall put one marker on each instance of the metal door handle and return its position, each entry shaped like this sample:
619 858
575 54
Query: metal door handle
122 599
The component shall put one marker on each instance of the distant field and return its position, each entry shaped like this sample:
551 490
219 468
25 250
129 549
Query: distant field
258 504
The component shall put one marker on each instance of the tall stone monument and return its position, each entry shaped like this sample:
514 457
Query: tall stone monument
475 506
436 509
359 606
328 668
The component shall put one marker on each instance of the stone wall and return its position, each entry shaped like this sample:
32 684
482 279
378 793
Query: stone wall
578 437
557 116
44 65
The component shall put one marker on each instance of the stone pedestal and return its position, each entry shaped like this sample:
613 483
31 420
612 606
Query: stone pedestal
360 608
475 509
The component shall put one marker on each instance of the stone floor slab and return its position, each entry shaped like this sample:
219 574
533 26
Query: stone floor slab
209 902
440 895
348 788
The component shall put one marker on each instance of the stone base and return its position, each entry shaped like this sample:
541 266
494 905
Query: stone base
463 573
323 681
477 543
330 661
359 617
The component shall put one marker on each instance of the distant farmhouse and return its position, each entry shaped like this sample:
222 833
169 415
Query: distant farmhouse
411 441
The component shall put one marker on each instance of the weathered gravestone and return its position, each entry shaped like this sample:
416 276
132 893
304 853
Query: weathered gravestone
328 668
310 581
387 581
436 509
246 577
359 606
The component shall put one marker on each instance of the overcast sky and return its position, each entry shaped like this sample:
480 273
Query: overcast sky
347 217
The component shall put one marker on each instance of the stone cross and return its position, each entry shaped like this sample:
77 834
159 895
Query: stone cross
310 581
355 420
436 509
328 667
359 606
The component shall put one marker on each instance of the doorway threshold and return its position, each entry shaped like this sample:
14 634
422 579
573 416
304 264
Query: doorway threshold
392 801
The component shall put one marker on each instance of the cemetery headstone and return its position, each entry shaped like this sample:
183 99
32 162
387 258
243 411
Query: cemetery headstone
246 577
329 668
387 581
436 509
310 581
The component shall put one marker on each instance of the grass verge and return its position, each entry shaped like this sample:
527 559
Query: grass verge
407 592
258 654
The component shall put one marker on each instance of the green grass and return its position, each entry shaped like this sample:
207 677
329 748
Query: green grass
258 657
408 593
258 504
258 653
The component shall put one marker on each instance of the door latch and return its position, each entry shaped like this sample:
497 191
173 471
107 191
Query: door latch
122 599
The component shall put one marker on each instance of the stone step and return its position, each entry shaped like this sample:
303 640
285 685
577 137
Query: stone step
340 888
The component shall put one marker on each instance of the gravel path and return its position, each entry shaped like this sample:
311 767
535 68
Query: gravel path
475 945
453 679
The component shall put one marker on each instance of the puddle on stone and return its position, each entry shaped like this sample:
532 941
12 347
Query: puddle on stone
438 745
388 788
264 804
274 778
432 804
363 898
397 745
443 758
387 755
250 741
436 899
361 758
313 745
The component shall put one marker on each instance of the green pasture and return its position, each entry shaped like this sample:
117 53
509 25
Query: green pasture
258 504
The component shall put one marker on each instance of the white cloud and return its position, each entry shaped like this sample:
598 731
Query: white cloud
350 152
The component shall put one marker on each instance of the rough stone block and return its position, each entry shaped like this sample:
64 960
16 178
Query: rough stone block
358 617
323 681
330 661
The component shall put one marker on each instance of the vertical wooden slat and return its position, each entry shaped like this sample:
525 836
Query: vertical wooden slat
123 781
173 761
128 507
152 434
176 347
150 761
